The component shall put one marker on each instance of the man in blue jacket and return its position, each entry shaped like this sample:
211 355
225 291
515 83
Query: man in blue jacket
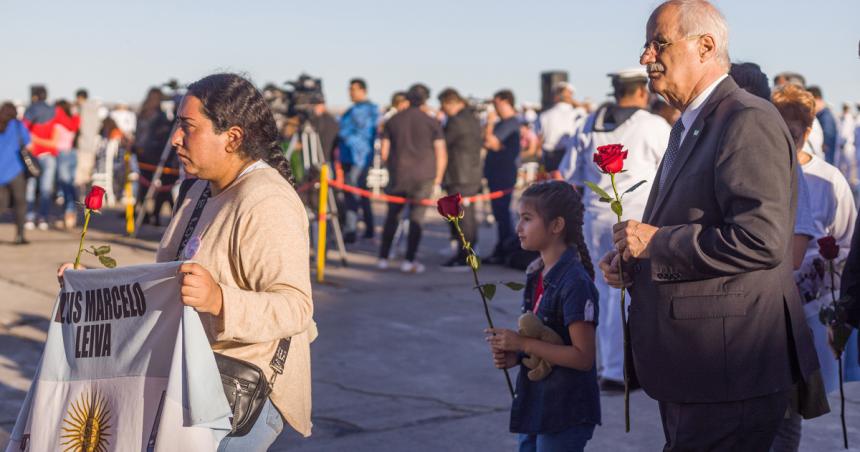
828 124
357 135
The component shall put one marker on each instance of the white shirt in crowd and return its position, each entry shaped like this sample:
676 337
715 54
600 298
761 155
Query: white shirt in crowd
558 125
832 203
845 155
847 124
815 143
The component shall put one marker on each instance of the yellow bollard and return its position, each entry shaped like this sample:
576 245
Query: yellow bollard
321 238
129 203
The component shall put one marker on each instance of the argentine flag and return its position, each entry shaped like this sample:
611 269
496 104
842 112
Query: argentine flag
126 367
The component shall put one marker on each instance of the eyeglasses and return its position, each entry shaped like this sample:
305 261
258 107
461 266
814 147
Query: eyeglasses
658 46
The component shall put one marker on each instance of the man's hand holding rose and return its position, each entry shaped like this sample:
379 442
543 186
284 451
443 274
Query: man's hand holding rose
631 239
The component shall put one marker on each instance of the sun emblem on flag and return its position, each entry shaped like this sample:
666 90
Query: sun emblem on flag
86 427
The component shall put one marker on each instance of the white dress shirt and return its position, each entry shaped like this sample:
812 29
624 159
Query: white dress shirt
688 117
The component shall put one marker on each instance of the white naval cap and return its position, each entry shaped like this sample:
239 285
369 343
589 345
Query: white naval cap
562 85
630 74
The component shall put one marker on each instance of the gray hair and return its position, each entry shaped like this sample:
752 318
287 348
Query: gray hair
699 17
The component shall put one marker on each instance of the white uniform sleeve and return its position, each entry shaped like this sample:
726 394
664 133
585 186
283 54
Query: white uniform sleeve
842 227
804 223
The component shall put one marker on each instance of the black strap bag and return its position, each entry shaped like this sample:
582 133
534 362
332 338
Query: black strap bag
245 384
31 164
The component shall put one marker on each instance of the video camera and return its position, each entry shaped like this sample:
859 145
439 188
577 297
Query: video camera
305 93
172 92
296 99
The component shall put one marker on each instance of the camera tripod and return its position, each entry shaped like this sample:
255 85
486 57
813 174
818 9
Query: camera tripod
313 157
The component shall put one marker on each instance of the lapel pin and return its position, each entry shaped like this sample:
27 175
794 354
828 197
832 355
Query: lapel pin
696 133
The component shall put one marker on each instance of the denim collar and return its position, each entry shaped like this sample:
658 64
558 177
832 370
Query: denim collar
570 255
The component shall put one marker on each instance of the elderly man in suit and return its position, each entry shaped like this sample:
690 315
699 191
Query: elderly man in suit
717 331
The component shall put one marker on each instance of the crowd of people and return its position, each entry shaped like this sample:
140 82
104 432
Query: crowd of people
52 153
711 232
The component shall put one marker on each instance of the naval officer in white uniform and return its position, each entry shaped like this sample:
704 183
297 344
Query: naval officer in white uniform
645 137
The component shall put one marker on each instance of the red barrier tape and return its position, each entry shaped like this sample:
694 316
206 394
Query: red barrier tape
146 183
399 199
153 168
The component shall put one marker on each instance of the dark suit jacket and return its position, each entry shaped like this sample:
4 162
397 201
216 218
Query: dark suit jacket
715 315
851 281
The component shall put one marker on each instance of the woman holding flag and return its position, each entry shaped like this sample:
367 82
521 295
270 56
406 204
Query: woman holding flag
241 229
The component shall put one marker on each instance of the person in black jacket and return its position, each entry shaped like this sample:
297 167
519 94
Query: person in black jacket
463 174
850 284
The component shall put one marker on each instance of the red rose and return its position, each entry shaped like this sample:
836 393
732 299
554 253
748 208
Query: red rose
827 248
449 206
610 158
94 198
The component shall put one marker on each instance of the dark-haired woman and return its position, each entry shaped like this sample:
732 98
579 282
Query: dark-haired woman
250 279
13 181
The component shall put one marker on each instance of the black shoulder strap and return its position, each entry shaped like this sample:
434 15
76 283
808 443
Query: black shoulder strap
183 192
195 216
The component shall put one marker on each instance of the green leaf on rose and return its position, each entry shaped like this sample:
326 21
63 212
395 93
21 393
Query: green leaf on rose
514 285
489 290
107 261
634 187
616 207
101 250
599 191
605 200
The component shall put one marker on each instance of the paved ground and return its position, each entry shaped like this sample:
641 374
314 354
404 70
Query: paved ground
400 363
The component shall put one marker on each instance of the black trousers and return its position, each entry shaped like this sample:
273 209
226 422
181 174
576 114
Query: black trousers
741 426
16 191
469 223
416 217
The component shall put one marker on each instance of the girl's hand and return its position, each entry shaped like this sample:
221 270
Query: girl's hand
504 360
199 290
504 340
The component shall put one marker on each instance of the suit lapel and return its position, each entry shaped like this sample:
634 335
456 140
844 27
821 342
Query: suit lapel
696 130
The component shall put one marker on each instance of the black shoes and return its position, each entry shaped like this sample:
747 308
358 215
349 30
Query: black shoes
20 240
349 238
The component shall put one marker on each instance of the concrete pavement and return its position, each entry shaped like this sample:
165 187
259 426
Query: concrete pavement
400 363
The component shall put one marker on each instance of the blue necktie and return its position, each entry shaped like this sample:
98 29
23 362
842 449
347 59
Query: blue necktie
671 151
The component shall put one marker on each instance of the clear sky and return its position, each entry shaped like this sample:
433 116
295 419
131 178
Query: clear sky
117 49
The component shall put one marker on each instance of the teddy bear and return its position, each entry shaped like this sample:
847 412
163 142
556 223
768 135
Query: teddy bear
531 326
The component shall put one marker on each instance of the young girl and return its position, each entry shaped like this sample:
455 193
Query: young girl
558 413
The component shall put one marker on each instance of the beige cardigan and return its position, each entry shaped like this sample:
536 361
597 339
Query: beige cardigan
254 242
